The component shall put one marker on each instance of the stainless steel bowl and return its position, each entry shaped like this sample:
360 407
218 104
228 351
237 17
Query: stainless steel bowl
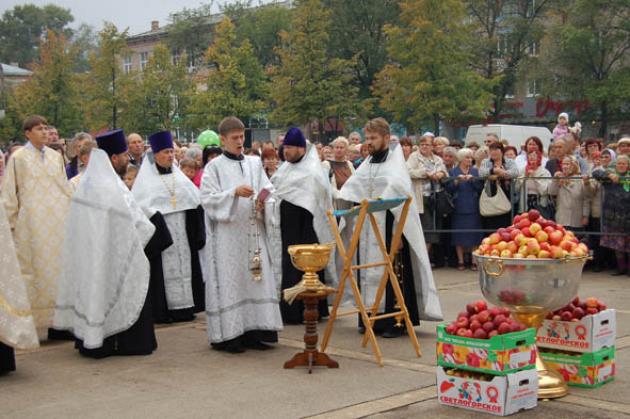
529 285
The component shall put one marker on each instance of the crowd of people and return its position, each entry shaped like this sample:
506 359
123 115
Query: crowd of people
104 237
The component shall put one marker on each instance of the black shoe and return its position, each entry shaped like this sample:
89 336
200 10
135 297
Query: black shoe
619 272
234 348
257 345
394 332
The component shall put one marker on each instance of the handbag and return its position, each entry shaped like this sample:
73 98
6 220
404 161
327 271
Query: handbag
445 204
499 204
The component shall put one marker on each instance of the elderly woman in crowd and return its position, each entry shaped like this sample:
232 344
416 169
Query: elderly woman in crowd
572 205
466 187
616 217
480 155
426 171
449 157
510 152
439 143
497 170
531 144
339 170
533 183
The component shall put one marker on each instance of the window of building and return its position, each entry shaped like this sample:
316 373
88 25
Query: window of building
175 55
144 60
533 88
509 93
127 64
532 49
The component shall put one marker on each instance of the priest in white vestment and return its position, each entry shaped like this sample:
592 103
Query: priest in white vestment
241 296
36 195
162 187
17 327
302 196
104 283
384 175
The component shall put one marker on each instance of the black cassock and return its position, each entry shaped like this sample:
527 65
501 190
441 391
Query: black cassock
405 280
196 232
7 359
139 339
296 225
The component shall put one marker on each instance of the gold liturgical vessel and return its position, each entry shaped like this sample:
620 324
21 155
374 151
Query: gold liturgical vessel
310 258
541 285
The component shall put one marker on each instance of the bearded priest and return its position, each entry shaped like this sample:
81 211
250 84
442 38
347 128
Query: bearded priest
303 196
384 175
161 187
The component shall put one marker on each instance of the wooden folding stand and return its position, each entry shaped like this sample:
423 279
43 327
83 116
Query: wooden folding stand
370 315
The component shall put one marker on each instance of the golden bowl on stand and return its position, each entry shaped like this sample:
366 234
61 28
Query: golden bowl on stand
311 258
531 288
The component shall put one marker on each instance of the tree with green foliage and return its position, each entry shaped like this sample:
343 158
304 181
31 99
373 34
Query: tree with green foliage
84 40
310 85
23 27
505 38
428 80
261 26
586 55
235 84
52 90
159 95
104 85
190 32
357 32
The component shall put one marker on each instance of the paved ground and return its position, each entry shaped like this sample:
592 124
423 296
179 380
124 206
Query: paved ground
186 379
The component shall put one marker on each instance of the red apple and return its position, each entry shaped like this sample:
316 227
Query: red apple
463 314
483 316
470 308
461 332
578 313
480 305
555 237
516 220
544 254
494 238
592 310
514 233
488 326
533 215
542 237
499 319
591 302
480 334
566 316
451 329
557 252
504 328
524 224
474 325
492 333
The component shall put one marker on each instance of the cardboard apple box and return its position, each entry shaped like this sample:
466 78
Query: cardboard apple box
502 396
499 355
579 369
590 334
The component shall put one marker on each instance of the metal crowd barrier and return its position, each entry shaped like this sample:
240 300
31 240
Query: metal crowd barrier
515 197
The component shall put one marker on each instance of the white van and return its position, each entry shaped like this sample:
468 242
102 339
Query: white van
515 134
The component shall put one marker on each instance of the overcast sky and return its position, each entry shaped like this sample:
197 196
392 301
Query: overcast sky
135 14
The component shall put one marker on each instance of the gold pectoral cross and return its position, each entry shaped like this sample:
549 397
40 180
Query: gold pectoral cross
174 202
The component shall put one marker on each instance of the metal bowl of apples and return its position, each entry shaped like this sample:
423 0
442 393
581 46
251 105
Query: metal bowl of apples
532 266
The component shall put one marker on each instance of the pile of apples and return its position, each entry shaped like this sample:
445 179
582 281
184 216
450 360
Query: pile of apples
576 309
532 237
481 322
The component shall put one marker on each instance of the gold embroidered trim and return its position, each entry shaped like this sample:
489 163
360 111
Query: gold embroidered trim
4 305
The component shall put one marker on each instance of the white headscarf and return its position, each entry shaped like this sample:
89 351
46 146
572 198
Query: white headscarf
105 276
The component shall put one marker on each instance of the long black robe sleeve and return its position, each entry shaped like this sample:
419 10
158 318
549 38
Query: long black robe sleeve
196 232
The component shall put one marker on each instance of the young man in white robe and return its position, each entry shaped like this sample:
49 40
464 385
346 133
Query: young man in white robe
104 286
303 195
241 294
161 187
36 195
17 327
384 175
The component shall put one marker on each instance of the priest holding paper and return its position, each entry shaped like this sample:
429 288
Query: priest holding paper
161 187
104 283
303 195
384 175
241 294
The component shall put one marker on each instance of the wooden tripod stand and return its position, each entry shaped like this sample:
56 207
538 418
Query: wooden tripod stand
370 315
